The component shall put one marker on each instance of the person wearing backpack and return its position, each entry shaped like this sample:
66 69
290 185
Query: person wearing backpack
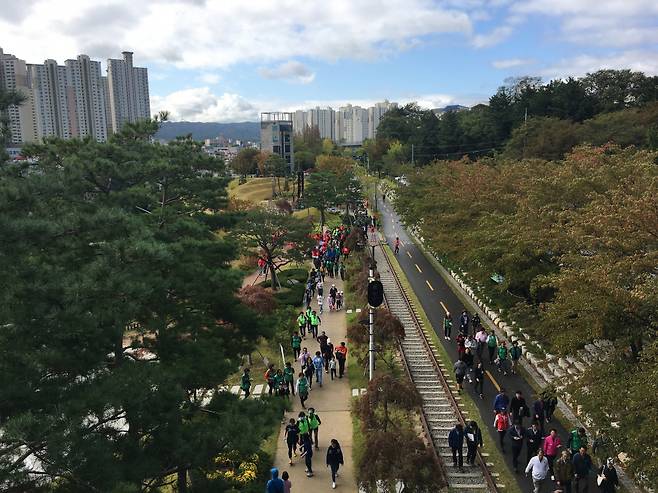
515 355
314 423
460 372
577 439
502 358
492 345
302 388
269 378
245 383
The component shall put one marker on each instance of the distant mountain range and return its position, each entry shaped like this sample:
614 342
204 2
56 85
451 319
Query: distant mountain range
203 130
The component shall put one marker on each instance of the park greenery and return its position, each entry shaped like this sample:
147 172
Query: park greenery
120 313
524 118
7 99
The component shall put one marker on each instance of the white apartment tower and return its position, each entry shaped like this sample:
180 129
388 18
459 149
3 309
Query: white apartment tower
87 92
49 85
128 91
13 77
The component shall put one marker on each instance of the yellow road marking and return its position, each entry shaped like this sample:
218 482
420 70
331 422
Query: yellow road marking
409 254
444 307
429 285
418 268
493 380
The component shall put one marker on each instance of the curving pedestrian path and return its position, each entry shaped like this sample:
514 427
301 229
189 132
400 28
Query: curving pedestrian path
332 404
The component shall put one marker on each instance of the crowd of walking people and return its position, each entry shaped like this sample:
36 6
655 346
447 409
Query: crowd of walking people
563 460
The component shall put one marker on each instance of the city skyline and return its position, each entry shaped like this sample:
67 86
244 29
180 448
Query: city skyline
228 61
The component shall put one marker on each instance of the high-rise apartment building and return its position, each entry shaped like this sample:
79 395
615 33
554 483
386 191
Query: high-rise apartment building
375 114
276 132
73 100
128 91
13 77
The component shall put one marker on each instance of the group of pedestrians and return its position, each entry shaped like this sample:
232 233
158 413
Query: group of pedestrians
334 297
330 252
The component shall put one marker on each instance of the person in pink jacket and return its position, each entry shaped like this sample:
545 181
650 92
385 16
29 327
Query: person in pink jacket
552 444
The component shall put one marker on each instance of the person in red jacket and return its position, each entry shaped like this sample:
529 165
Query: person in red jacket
501 423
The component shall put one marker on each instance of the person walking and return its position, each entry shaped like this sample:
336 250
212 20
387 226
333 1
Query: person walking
334 460
538 413
318 366
563 471
538 468
309 371
501 423
302 388
314 423
328 354
467 358
552 444
502 358
447 326
269 378
315 322
302 358
476 321
332 367
492 346
460 372
341 356
296 343
289 377
534 437
287 485
517 435
301 323
577 439
291 437
275 485
519 408
456 443
464 320
473 436
609 481
582 467
307 453
322 340
515 355
481 339
245 383
478 375
501 402
320 303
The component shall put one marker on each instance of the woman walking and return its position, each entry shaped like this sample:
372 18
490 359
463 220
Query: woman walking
334 460
302 388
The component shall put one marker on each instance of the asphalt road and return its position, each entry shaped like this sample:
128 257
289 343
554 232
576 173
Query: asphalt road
436 296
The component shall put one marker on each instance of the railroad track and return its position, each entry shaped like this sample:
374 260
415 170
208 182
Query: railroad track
441 409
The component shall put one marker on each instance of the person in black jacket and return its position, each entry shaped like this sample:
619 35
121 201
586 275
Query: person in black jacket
478 375
611 481
473 441
517 435
519 408
456 443
334 459
533 436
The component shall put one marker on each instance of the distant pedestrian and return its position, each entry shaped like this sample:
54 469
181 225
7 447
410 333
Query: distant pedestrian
501 423
320 303
341 356
245 383
314 423
538 467
464 320
275 485
291 437
447 326
478 375
318 365
473 437
515 355
302 388
296 343
492 346
481 339
563 471
334 459
460 372
289 377
503 358
269 378
476 321
287 485
610 480
309 371
332 367
456 443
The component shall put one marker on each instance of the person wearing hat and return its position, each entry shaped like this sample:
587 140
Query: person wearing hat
607 479
275 485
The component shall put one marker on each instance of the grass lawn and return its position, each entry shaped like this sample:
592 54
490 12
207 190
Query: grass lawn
506 476
254 190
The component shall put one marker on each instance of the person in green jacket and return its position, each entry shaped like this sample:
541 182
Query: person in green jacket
447 326
301 323
279 383
314 423
245 383
492 345
296 343
502 358
289 376
302 388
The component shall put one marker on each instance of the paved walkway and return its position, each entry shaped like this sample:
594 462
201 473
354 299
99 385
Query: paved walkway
332 404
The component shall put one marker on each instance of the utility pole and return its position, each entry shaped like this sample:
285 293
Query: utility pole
375 298
412 155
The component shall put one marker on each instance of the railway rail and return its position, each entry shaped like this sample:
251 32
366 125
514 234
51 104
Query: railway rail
441 409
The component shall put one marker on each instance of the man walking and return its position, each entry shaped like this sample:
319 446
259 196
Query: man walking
341 356
456 443
534 436
517 434
314 423
563 472
538 466
582 466
447 326
296 344
245 382
318 365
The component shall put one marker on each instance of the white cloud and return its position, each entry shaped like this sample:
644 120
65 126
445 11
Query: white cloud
198 34
511 63
496 36
210 78
292 71
642 61
202 105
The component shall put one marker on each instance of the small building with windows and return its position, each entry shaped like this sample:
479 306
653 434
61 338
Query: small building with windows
276 131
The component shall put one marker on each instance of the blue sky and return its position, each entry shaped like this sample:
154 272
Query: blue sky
227 60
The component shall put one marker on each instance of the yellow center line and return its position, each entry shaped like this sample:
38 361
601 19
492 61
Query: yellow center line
418 268
409 254
429 285
493 380
444 307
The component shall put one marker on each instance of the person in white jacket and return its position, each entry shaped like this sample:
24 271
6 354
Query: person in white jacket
538 466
